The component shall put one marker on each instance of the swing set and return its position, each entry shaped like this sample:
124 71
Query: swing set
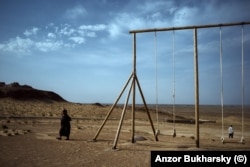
133 79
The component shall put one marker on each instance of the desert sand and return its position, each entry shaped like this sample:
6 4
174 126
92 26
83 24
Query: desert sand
29 129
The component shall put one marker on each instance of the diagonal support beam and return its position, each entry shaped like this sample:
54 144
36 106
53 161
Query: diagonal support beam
146 108
122 118
112 108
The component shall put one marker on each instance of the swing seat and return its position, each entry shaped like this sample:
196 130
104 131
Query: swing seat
242 140
139 138
232 141
157 132
222 139
174 133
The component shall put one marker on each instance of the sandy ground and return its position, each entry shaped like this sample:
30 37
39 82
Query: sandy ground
29 139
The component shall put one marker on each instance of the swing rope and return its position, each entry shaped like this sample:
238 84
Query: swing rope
156 85
242 81
221 93
242 85
174 130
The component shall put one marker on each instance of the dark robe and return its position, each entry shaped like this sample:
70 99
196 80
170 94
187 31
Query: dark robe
65 126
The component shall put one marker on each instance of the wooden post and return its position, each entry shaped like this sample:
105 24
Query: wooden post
133 89
122 118
196 82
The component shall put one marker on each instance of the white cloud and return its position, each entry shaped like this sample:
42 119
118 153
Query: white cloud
22 46
27 33
51 35
46 46
147 15
186 15
90 30
172 10
78 40
51 38
124 22
97 27
49 25
114 30
67 30
91 34
18 45
156 15
32 31
2 46
76 12
154 6
164 14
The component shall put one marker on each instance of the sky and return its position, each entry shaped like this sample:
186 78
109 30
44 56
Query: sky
83 51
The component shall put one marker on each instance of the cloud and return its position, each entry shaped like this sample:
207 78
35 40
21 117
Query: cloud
46 46
147 15
123 22
185 14
172 13
24 46
51 38
78 40
97 27
18 45
76 12
51 35
66 30
90 30
32 31
152 7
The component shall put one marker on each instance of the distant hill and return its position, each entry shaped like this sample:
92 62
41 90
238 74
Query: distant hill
26 92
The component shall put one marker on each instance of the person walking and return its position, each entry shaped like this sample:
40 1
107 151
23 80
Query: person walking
230 131
65 125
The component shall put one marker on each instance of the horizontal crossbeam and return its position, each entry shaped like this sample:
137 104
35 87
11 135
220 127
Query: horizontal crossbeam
188 27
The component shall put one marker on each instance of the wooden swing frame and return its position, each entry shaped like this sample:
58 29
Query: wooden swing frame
133 77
